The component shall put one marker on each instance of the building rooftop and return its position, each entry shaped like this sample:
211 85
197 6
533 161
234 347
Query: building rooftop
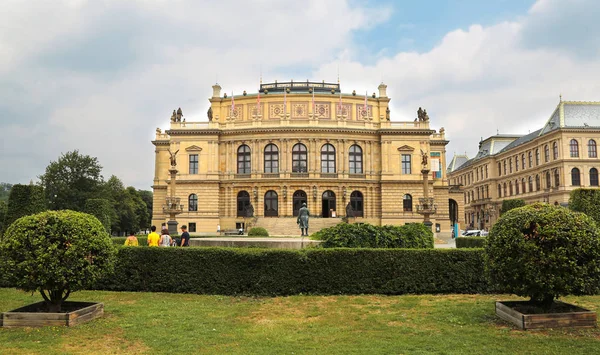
456 162
573 114
300 86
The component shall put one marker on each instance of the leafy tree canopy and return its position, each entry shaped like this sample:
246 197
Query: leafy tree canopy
71 180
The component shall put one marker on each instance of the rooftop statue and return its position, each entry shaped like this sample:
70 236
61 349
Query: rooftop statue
174 116
422 115
387 114
209 113
179 115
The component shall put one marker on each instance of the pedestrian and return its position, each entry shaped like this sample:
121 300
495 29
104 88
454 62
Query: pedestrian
131 241
185 237
153 237
165 239
218 229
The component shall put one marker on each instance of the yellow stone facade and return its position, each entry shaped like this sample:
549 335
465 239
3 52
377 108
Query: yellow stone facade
543 166
335 129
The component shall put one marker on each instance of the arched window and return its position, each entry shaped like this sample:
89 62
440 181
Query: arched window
546 153
271 204
516 163
499 168
537 156
510 165
327 159
299 158
530 159
556 178
356 201
593 177
555 150
523 185
355 159
243 160
504 165
298 199
575 177
505 190
243 203
574 148
478 196
516 187
592 152
499 190
407 203
530 184
548 180
537 183
271 158
510 189
523 161
192 202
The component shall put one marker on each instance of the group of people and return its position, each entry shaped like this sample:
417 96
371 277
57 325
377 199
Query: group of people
162 240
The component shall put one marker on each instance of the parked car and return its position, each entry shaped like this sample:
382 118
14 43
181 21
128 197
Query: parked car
472 233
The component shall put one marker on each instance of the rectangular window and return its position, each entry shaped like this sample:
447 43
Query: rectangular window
406 166
192 227
193 163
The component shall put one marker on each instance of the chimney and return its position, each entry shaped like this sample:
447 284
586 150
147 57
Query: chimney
382 90
216 90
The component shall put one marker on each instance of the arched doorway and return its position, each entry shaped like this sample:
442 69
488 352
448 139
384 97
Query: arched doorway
356 201
243 201
453 208
328 203
299 198
271 204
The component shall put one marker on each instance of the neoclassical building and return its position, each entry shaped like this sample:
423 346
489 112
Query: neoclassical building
299 142
542 166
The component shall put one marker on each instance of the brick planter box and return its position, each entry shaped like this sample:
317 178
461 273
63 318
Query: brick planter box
32 316
569 316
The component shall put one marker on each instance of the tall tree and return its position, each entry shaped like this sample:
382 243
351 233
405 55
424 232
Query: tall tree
71 180
24 200
4 190
147 198
3 209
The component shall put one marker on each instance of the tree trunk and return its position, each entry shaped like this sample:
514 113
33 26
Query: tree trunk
54 299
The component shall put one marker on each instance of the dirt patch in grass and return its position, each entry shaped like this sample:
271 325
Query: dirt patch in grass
112 343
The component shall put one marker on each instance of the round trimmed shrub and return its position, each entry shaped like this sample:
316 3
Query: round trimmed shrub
543 252
56 253
344 235
258 232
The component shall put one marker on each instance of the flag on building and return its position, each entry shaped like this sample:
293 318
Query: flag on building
340 104
284 101
365 105
258 103
313 100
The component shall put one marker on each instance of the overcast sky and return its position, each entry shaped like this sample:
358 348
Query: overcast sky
100 76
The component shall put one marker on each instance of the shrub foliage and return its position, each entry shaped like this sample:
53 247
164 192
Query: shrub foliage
586 201
258 232
56 253
24 200
508 205
102 209
413 235
273 272
543 252
470 242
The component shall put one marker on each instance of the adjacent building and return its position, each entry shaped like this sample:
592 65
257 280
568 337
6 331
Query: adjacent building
542 166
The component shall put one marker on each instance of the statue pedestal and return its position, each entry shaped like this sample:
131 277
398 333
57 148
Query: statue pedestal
172 226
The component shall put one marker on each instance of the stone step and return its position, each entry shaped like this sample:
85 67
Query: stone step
288 225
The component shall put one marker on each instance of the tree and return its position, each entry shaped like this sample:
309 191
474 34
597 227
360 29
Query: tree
4 190
147 198
586 201
3 208
56 253
102 209
24 200
508 205
131 211
71 180
543 252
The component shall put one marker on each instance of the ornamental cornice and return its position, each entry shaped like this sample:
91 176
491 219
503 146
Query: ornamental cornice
183 132
161 142
436 142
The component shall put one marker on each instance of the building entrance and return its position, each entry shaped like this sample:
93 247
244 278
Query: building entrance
299 198
328 204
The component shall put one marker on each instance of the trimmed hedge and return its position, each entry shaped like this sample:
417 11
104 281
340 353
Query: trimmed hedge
258 232
343 235
586 201
274 272
470 242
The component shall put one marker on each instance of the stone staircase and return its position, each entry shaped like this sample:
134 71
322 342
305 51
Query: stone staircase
287 225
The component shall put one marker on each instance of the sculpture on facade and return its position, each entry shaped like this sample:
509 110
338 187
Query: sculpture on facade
302 220
174 116
387 114
423 159
422 115
209 113
173 158
158 130
179 114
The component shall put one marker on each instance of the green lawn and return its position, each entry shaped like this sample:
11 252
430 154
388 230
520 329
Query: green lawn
158 323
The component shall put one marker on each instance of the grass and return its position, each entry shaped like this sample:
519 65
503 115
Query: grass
161 323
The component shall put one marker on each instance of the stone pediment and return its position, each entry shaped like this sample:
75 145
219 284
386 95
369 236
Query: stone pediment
193 148
406 148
